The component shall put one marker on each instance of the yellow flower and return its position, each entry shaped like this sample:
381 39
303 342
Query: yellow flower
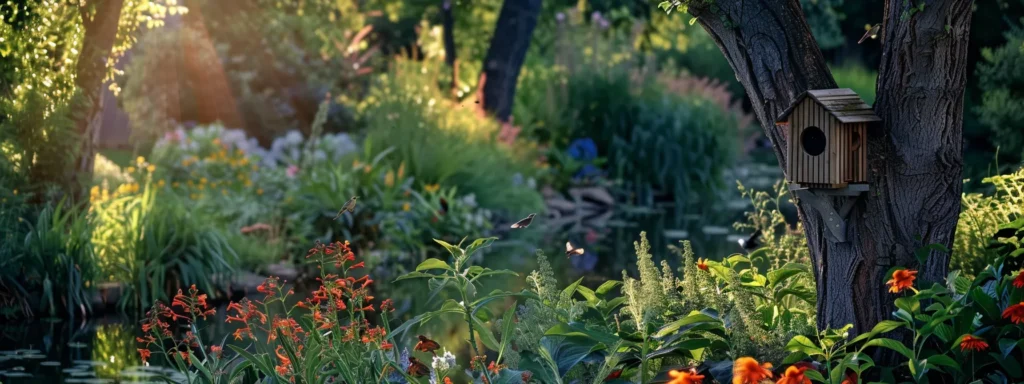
248 183
367 169
130 169
175 184
259 191
389 179
15 192
202 180
161 183
95 190
406 207
431 188
140 160
401 170
151 168
224 192
241 177
193 196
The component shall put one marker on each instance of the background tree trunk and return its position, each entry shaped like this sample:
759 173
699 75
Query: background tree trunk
505 57
100 20
915 154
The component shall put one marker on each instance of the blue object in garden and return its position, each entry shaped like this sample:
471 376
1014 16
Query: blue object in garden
585 262
583 149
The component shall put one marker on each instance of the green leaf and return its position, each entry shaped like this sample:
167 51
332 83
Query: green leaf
607 286
986 303
779 275
200 366
455 251
889 344
429 264
943 361
587 294
803 344
486 336
507 329
414 275
815 375
693 318
1006 346
910 304
577 330
693 21
886 326
571 289
480 244
566 352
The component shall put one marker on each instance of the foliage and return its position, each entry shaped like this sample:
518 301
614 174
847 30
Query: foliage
50 263
444 143
1001 79
856 77
152 247
781 243
980 217
965 330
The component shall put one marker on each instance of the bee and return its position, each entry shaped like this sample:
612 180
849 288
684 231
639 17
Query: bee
572 251
524 222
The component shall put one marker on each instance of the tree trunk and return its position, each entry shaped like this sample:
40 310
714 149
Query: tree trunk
450 57
914 154
100 20
505 57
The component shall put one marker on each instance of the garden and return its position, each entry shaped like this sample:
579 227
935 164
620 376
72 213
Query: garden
382 191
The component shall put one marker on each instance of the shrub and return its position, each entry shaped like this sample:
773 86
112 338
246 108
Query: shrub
980 217
1001 80
442 143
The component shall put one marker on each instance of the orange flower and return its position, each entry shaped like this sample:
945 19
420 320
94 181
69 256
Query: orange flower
851 378
1019 280
969 342
447 380
145 354
702 264
495 368
746 370
216 350
685 377
902 279
282 368
794 375
1015 313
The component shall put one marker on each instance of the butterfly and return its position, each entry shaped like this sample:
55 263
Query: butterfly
444 206
350 206
524 222
416 368
572 251
426 345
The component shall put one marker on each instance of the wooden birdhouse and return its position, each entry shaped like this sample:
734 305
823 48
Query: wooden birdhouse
826 140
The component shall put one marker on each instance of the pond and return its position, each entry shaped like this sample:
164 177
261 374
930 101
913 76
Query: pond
103 350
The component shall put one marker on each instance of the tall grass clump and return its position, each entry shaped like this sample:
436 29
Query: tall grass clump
444 143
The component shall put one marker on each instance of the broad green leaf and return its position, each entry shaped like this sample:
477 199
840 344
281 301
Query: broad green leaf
479 244
779 275
803 344
566 352
587 294
1006 346
571 289
986 303
429 264
815 375
578 330
486 336
910 304
692 318
943 361
507 329
890 344
607 286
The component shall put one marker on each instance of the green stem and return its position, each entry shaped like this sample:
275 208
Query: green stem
643 361
472 337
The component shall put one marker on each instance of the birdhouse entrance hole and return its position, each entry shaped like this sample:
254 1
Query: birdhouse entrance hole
813 140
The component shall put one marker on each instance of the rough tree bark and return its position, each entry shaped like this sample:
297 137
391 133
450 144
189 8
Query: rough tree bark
915 154
505 57
99 20
450 57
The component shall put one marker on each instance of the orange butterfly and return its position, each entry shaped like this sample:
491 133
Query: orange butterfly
416 368
426 345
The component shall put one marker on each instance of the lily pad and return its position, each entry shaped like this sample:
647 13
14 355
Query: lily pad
75 344
715 230
82 373
89 381
91 363
50 363
17 374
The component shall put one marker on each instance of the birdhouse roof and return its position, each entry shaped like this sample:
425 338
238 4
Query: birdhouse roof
843 103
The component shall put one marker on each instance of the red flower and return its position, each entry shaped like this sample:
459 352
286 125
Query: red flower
746 370
969 342
702 264
387 306
216 350
794 375
1019 280
901 279
386 346
685 377
1015 313
614 375
495 368
526 376
145 354
360 264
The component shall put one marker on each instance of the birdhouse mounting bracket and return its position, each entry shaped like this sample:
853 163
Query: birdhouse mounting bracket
820 201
